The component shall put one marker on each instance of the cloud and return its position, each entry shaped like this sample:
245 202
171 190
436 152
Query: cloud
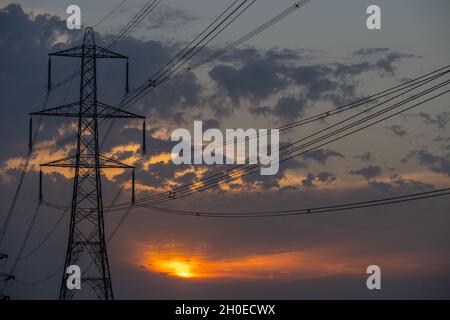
166 17
397 181
287 108
326 177
308 181
370 51
436 163
255 80
387 63
397 130
247 54
323 177
380 185
256 76
441 139
368 172
198 263
366 156
440 120
322 155
384 64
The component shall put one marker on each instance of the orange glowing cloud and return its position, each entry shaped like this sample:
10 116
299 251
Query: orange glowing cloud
118 152
164 158
200 263
197 263
38 158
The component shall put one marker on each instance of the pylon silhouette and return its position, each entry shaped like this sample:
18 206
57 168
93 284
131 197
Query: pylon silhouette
86 244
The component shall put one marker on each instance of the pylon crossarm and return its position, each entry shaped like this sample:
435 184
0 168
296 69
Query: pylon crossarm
94 50
107 111
87 161
72 52
63 163
67 110
72 110
111 163
108 54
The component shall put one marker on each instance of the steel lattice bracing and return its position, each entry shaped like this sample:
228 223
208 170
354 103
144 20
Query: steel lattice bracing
86 247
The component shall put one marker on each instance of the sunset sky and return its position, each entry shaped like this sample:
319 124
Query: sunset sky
319 58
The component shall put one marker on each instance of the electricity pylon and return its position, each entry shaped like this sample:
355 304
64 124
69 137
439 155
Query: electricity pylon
87 245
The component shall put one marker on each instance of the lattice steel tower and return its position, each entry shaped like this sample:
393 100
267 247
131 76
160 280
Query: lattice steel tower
87 245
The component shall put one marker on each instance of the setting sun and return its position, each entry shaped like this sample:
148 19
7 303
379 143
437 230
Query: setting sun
177 268
197 263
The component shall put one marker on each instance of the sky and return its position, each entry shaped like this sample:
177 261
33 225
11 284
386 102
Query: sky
319 58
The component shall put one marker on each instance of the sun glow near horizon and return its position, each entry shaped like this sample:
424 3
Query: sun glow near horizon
179 261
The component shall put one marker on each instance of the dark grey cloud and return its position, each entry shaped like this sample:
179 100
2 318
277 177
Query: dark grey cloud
166 17
326 177
256 80
259 75
399 182
353 69
413 184
441 120
441 139
370 51
315 78
397 130
387 63
322 155
26 41
366 156
380 185
246 54
163 17
322 177
287 108
436 163
308 182
24 44
368 172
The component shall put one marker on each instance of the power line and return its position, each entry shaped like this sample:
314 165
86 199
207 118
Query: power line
229 15
110 13
151 83
331 112
7 221
65 209
45 238
336 111
149 4
122 34
290 155
310 210
247 36
135 21
237 170
24 243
